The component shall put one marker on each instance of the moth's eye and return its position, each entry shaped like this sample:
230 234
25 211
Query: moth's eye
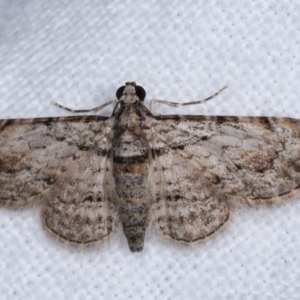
140 92
119 92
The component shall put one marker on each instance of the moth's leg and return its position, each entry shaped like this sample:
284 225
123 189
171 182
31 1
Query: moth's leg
176 104
96 109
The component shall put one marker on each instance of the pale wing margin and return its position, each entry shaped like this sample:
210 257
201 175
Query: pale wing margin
64 163
256 159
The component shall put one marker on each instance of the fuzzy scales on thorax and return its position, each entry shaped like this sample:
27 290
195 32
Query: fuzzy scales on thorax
130 160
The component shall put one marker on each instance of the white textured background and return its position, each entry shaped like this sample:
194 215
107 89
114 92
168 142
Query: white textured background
78 53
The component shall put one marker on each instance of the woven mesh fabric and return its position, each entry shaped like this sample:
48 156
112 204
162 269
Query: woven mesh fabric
78 53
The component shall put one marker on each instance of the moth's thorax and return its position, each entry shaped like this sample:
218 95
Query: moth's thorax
130 116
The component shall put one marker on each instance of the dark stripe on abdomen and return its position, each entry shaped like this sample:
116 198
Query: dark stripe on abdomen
130 174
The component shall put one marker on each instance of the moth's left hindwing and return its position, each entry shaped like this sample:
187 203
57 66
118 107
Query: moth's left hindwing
79 209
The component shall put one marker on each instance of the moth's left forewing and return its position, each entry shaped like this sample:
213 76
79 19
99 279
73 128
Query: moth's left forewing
36 153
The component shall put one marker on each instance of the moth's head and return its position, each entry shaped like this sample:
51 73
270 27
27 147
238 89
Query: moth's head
131 93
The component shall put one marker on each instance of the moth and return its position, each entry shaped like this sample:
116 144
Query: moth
183 174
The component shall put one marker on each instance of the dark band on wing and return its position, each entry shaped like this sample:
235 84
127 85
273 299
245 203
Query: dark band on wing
49 121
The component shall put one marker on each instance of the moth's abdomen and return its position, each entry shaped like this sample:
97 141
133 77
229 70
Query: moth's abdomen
130 174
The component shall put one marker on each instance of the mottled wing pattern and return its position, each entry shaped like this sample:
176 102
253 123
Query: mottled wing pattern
186 207
201 165
63 163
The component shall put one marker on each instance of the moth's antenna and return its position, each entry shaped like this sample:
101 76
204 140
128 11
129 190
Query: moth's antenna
176 104
96 109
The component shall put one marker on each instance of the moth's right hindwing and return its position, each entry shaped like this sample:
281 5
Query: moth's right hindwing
186 207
